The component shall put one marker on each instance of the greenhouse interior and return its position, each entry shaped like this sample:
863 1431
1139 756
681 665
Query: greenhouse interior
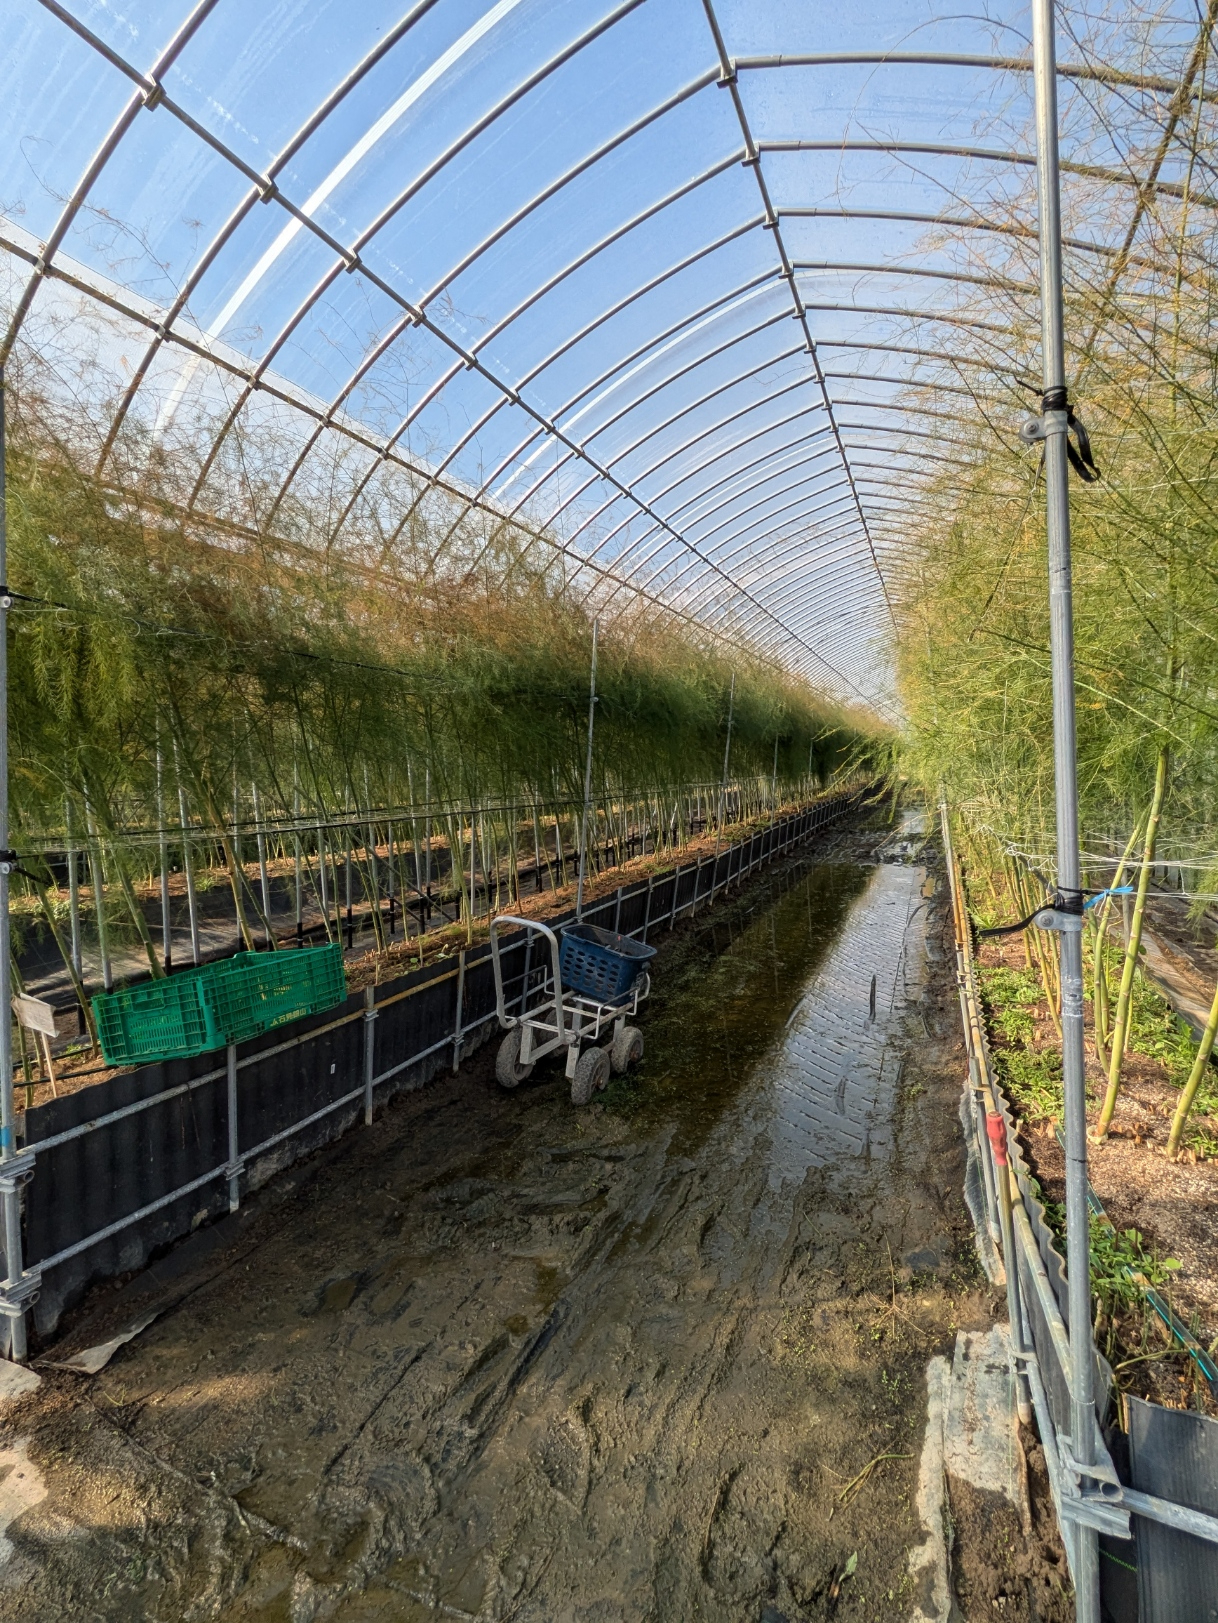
608 799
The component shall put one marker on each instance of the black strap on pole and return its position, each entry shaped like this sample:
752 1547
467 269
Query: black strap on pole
1078 447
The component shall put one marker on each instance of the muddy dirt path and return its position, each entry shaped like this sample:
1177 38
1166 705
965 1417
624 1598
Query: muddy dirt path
499 1358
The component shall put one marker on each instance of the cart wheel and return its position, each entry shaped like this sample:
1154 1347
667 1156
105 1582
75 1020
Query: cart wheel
626 1049
591 1073
509 1072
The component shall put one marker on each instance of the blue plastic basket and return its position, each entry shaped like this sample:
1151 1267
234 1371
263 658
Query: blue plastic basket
599 964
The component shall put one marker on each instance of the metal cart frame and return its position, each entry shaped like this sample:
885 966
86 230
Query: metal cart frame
559 1018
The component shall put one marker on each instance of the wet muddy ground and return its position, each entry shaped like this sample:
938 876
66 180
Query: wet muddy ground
499 1358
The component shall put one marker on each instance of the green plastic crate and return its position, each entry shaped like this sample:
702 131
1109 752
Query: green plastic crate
165 1019
257 991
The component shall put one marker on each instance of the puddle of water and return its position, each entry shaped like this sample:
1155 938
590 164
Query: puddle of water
775 1034
565 1386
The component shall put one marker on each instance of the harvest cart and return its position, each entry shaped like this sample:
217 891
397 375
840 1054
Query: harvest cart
573 991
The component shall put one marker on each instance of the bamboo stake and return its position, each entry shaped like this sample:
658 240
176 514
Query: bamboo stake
1125 995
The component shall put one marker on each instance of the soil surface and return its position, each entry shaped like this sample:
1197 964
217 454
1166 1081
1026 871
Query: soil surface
499 1358
1172 1205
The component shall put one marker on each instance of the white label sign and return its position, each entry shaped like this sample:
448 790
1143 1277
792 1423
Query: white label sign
34 1014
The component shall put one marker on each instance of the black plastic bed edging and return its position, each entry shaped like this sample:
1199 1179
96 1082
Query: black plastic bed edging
127 1166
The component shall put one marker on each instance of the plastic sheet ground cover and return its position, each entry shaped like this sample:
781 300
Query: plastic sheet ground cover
687 291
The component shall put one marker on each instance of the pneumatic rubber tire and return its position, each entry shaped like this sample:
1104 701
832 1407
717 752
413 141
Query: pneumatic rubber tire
626 1049
509 1072
591 1073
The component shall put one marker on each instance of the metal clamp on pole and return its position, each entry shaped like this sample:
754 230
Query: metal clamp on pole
17 1296
16 1172
1065 913
1091 1493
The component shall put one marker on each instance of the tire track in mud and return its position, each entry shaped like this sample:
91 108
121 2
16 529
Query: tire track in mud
510 1360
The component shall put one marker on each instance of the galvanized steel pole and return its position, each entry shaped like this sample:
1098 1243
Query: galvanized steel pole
10 1197
583 828
1069 906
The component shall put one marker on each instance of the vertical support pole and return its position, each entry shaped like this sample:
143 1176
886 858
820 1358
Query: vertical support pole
651 879
460 1009
369 1049
390 880
187 869
163 844
99 902
617 913
583 831
321 879
298 857
350 920
727 755
263 881
10 1196
78 962
427 829
1069 905
234 1168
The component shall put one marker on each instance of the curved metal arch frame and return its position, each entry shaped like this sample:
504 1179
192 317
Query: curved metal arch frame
678 569
151 92
696 597
636 542
930 149
501 404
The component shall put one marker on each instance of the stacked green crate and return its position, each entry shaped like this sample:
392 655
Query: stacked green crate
228 1002
255 992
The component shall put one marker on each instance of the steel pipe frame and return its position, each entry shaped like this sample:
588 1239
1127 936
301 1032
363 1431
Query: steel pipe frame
679 567
731 546
939 59
457 368
326 107
294 400
729 83
264 186
684 566
637 542
866 427
717 460
802 480
644 121
699 591
793 211
712 460
844 642
1115 177
608 23
695 405
460 366
787 388
522 445
774 455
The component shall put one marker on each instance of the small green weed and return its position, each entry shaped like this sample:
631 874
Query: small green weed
1157 1032
1033 1080
1009 995
1115 1256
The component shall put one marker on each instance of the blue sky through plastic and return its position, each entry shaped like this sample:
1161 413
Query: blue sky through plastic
435 265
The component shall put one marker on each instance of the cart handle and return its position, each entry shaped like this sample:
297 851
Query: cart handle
508 1020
